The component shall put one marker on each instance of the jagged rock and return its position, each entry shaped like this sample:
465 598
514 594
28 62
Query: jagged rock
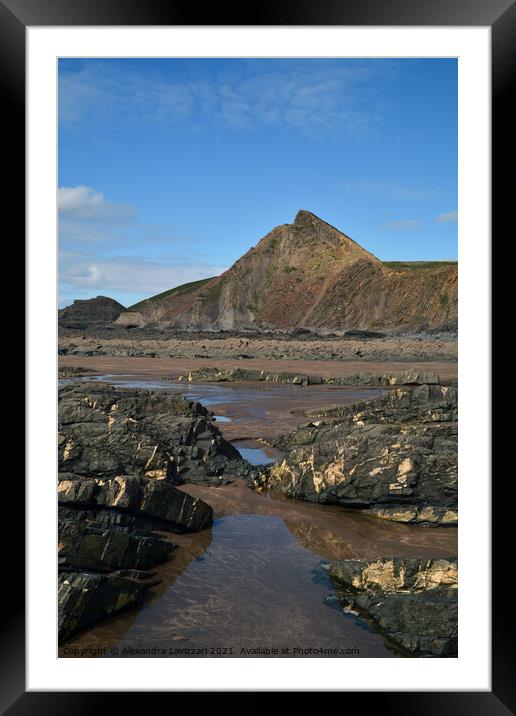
412 377
380 464
424 404
428 515
105 544
414 601
72 371
83 313
155 499
105 432
232 375
397 452
407 377
91 546
84 598
105 515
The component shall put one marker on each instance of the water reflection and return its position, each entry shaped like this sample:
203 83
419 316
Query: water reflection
258 453
254 586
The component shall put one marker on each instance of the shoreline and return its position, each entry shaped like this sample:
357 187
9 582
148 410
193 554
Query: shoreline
175 366
247 348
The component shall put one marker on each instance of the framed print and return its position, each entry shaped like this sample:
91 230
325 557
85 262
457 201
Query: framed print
265 402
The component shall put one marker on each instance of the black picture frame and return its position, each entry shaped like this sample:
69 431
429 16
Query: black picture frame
15 17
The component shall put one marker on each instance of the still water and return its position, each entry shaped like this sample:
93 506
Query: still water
254 584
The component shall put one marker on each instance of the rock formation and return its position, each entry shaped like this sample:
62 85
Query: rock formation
105 432
105 542
83 313
121 455
396 456
413 601
310 275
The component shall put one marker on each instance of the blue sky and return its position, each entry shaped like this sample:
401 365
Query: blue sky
170 169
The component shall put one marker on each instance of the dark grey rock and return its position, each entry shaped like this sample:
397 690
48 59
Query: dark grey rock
380 464
423 404
105 432
85 597
396 454
155 499
412 601
91 546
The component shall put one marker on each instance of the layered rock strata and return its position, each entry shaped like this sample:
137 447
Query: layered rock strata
395 456
412 601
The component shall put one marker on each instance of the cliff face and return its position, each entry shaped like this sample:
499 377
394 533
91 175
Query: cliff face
311 275
87 312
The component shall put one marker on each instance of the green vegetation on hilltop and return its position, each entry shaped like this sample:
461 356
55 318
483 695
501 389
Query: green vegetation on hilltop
182 290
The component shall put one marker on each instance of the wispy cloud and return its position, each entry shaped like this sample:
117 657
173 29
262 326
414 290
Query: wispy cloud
127 278
390 189
83 202
448 216
403 225
309 96
103 248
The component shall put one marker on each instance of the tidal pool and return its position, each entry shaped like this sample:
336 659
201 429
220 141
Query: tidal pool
255 581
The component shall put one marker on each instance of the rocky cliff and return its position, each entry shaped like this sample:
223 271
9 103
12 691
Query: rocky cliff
309 274
82 313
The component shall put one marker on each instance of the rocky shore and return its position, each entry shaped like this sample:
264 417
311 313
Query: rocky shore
123 453
412 601
106 542
106 431
121 456
356 345
238 375
395 456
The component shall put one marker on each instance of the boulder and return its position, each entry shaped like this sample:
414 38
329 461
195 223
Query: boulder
396 454
155 499
84 598
85 545
381 464
106 432
413 601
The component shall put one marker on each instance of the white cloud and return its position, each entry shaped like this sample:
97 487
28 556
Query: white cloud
103 248
448 216
83 202
403 224
126 278
311 96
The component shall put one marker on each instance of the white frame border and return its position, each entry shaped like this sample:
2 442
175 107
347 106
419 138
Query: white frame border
472 669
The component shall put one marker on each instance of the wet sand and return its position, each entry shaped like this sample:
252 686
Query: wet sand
174 367
330 531
248 410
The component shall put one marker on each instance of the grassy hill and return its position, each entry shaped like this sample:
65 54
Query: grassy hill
182 290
